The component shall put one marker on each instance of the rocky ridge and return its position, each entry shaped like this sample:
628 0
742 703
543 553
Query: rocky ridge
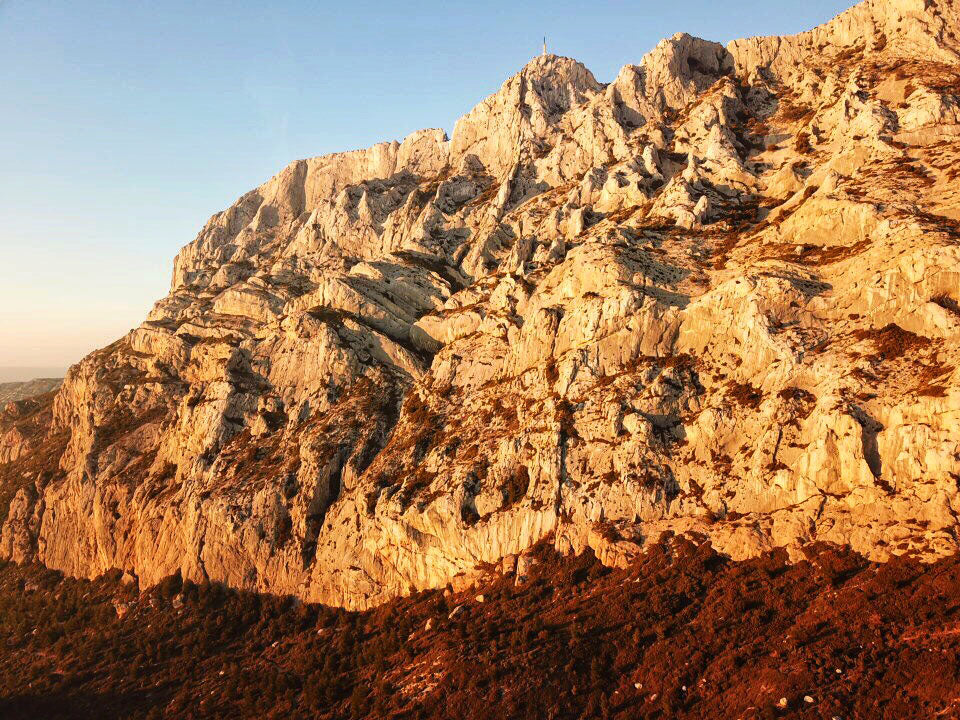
14 391
718 295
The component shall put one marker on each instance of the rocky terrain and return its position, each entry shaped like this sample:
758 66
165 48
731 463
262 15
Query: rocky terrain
718 295
13 391
681 633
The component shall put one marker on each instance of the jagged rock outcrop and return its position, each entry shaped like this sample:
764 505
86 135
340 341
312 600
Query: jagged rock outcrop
718 295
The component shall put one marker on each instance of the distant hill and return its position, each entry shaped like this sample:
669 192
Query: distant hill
23 373
20 390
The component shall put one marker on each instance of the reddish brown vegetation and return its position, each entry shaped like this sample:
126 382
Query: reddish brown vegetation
817 255
745 394
892 341
947 303
798 395
941 78
702 636
793 112
918 356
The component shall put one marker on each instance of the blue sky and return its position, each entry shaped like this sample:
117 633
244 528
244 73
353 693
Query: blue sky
126 124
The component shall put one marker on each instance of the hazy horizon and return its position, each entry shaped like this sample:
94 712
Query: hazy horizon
128 124
24 373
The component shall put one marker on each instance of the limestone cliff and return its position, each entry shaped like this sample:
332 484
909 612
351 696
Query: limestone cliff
717 295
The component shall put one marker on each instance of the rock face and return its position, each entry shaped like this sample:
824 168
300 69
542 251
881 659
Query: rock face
718 295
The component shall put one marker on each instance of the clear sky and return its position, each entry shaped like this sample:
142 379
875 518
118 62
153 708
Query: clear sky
125 124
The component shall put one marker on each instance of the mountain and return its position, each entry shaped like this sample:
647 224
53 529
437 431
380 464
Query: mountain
717 296
23 424
14 391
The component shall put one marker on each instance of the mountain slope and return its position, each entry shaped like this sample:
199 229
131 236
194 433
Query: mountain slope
682 633
719 294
